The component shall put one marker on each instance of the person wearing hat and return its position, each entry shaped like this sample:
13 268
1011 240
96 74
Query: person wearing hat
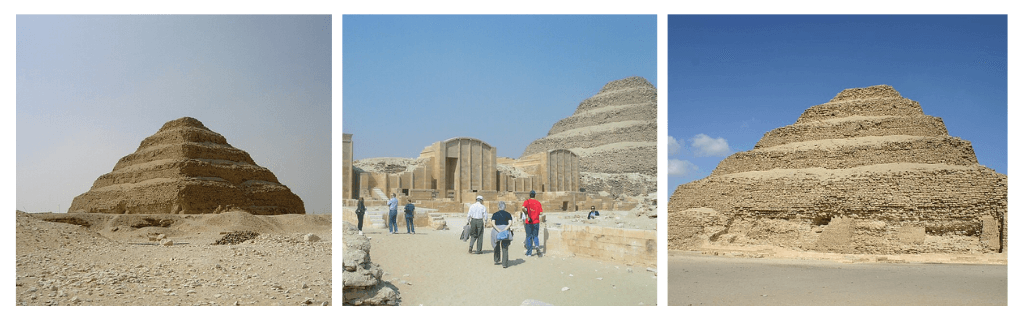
532 223
476 216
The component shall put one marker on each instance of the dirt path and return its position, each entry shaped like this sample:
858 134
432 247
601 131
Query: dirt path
696 280
432 267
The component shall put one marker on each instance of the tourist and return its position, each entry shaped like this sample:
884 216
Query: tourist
502 221
476 216
360 211
593 213
409 214
393 214
532 224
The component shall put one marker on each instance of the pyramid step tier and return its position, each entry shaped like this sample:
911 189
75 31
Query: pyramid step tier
179 135
632 95
622 157
188 150
189 196
900 107
234 172
610 114
941 200
624 131
854 127
849 153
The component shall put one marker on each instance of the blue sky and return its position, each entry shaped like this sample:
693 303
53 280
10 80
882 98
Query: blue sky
91 88
734 78
410 81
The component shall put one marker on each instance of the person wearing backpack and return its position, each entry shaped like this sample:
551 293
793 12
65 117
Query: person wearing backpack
532 224
410 210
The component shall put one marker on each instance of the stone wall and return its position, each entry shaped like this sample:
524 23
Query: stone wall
603 243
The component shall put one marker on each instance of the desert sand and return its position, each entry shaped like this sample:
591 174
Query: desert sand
432 267
846 280
112 261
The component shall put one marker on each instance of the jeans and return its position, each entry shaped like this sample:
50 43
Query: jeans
532 240
409 226
392 224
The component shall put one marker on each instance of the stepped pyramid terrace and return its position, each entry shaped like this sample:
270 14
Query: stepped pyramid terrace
867 172
185 168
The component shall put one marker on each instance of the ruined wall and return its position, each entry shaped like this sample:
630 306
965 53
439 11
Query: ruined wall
603 243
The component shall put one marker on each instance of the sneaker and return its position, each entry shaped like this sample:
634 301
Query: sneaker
360 233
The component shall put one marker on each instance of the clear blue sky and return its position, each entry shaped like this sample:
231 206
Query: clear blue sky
734 78
410 81
91 88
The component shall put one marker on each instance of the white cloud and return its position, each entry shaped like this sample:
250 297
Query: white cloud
705 146
673 146
678 167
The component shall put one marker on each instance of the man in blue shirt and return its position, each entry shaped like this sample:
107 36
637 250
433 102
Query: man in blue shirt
409 215
393 214
593 213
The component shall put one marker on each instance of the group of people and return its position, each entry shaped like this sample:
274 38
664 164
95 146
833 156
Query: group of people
501 229
410 213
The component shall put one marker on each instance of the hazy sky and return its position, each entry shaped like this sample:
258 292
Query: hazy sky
410 81
91 88
734 78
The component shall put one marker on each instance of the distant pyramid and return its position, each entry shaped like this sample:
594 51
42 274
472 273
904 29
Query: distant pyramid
615 131
186 169
867 172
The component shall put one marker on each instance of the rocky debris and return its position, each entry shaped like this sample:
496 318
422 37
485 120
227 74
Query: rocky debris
185 168
618 184
63 264
532 302
237 237
166 242
151 222
361 277
387 165
70 220
865 173
647 206
309 237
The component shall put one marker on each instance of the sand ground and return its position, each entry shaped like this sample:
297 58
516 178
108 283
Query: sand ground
695 279
112 263
432 267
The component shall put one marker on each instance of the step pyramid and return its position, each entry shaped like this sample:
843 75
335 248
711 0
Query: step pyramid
614 131
867 172
186 169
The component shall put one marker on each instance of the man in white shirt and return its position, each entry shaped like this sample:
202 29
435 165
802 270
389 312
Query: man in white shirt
476 216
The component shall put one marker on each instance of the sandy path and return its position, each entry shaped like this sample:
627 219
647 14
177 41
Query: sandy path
719 281
432 267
